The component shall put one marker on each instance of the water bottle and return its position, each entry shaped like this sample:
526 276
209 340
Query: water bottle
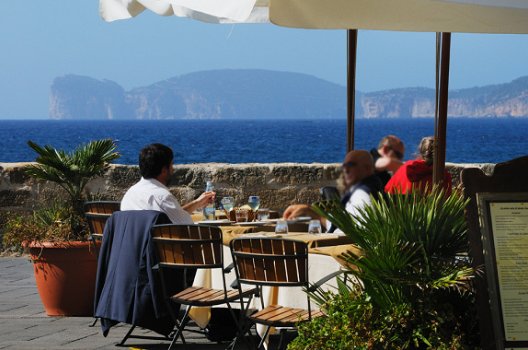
209 210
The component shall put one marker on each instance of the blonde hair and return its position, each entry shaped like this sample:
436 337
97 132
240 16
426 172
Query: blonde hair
426 149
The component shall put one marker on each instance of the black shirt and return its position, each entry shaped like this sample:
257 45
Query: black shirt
384 175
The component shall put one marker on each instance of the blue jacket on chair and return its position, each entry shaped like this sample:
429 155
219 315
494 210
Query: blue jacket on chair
127 290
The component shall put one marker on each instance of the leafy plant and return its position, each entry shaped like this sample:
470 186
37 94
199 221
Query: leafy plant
413 271
353 322
52 223
61 221
73 170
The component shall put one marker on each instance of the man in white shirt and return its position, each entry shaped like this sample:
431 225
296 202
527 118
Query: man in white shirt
360 182
151 192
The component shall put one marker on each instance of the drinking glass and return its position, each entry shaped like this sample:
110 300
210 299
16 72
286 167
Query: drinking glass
281 227
263 214
209 212
228 203
254 203
241 215
314 227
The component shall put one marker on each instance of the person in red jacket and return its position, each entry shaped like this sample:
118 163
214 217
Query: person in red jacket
417 173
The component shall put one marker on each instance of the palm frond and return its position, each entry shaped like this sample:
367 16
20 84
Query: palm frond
410 243
72 170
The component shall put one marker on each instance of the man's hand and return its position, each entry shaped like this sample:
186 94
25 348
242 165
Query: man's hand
200 202
296 210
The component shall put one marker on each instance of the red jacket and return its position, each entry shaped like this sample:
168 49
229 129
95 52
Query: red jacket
415 173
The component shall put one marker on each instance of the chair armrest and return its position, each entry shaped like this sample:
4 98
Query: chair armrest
323 280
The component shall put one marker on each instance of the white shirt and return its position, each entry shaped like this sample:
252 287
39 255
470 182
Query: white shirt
358 200
150 194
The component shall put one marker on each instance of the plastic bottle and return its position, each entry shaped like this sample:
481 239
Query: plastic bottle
209 210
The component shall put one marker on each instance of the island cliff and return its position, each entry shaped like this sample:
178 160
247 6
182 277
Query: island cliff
260 94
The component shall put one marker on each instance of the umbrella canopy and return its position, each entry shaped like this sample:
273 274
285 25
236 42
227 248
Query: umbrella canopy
468 16
211 11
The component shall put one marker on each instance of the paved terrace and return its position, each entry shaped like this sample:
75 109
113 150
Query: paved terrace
24 324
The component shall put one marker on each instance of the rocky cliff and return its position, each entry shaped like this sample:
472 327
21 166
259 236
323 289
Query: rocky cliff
256 94
233 94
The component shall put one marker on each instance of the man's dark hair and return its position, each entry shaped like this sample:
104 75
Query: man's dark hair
153 158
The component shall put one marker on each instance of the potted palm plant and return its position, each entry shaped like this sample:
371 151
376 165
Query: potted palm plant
56 235
412 282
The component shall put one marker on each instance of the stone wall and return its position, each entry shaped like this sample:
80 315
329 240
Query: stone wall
278 184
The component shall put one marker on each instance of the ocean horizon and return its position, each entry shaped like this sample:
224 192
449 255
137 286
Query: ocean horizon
469 140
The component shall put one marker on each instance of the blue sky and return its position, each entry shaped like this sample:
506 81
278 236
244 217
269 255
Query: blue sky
43 39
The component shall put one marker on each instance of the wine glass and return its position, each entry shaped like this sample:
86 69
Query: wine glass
281 227
254 202
314 227
228 203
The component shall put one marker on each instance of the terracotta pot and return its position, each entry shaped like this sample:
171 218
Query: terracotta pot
65 276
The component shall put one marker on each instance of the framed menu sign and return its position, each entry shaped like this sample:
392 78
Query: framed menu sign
504 227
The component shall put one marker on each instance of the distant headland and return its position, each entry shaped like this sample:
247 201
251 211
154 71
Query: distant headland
264 94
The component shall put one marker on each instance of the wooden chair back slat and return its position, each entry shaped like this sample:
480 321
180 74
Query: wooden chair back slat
280 269
96 222
258 262
101 207
269 265
271 261
189 245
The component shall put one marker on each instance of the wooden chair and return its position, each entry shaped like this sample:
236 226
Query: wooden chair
96 214
194 247
272 262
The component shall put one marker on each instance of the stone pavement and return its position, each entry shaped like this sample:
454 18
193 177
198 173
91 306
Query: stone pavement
24 324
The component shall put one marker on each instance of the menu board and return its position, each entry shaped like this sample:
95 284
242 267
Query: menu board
504 223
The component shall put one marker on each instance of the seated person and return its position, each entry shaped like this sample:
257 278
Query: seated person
388 157
151 192
417 173
360 182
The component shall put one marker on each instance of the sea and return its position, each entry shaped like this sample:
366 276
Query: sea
469 140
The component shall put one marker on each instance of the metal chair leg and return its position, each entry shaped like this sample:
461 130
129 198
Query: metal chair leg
126 336
264 337
281 339
179 332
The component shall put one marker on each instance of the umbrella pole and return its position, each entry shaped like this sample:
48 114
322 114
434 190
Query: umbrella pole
351 86
443 49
